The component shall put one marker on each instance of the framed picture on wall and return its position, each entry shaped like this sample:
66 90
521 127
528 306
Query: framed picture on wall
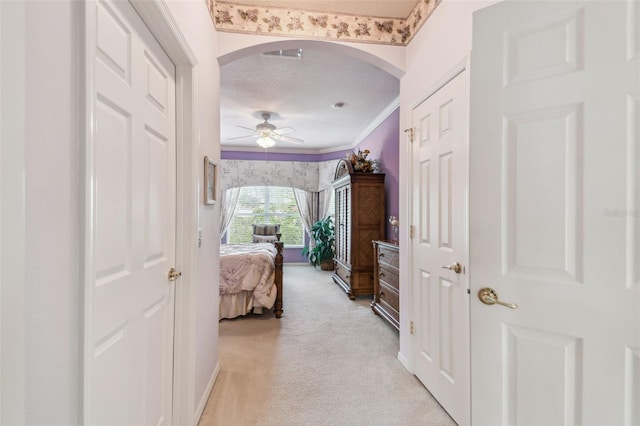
210 172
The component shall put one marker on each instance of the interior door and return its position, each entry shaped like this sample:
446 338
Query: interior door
132 221
554 203
441 302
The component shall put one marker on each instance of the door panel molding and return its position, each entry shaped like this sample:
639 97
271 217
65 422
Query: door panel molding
557 130
523 349
633 191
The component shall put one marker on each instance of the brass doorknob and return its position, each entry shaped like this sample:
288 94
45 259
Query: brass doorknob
173 274
456 267
488 296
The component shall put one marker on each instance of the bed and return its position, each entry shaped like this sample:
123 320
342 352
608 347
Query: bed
250 278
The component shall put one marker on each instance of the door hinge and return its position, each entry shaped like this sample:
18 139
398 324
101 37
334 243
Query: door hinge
411 329
412 230
410 131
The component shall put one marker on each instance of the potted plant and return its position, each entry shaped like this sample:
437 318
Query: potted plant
323 234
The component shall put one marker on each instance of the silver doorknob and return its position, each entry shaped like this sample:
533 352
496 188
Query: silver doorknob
456 267
488 296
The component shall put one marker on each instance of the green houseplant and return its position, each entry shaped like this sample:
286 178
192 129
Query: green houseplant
323 234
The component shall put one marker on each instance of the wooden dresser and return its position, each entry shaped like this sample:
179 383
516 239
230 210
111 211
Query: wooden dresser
360 219
386 283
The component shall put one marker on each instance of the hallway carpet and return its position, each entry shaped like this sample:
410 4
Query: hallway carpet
328 361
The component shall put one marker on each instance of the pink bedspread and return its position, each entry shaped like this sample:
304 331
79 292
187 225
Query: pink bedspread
248 267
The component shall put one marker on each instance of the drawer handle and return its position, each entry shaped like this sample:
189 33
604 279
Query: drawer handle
382 294
381 274
381 255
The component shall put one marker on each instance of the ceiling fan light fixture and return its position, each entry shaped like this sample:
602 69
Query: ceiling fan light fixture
265 142
266 134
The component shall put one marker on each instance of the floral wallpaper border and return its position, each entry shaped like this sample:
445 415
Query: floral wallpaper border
231 17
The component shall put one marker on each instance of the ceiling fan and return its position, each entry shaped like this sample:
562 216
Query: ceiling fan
266 134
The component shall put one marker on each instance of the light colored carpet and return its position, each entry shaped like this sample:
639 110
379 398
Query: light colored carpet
327 361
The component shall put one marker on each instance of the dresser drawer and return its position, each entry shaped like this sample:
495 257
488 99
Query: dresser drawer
386 299
388 256
388 307
388 275
389 296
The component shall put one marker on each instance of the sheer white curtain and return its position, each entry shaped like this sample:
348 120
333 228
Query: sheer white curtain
325 202
307 202
228 203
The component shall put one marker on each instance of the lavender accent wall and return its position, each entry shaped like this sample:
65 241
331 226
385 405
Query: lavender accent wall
277 156
333 155
294 255
383 143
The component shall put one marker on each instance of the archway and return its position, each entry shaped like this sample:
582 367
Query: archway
390 59
305 85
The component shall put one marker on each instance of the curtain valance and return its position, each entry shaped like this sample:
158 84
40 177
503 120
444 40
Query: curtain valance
308 176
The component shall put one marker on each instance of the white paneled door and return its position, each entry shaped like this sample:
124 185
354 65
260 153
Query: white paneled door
555 212
131 159
440 313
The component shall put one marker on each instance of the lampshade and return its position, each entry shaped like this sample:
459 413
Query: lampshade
265 142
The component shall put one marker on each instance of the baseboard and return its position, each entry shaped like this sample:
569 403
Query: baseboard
404 361
207 394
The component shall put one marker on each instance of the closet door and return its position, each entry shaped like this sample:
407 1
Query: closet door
131 223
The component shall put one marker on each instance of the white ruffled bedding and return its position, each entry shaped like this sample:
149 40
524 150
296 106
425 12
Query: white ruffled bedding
247 277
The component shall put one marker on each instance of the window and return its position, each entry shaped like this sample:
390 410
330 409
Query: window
266 204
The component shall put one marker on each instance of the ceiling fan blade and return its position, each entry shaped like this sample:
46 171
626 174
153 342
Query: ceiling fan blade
269 131
244 137
247 128
291 139
284 130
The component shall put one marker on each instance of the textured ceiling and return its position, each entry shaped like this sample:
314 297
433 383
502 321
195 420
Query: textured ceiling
300 92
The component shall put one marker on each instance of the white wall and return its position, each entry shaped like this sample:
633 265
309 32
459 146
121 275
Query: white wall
51 287
443 41
193 18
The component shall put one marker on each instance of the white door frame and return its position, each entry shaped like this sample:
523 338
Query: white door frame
407 314
158 19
